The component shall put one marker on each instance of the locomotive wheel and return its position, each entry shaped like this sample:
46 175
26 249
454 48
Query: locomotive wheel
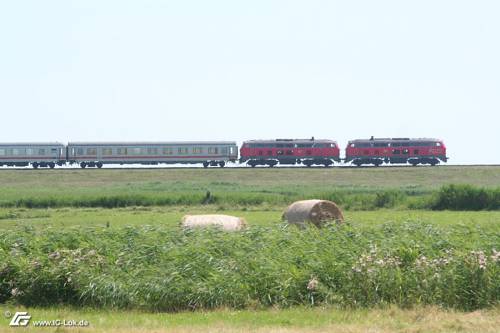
83 165
205 164
222 164
52 165
99 165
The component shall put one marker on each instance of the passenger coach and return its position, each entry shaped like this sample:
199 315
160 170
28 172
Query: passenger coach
208 153
289 151
377 151
34 154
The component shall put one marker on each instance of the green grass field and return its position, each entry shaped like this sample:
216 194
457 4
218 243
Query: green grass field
300 319
359 189
61 250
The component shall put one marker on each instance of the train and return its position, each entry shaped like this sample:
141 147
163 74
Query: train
305 152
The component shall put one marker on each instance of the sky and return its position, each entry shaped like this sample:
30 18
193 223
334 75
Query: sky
237 70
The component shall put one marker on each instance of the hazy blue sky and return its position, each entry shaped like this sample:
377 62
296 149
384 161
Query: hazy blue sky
236 70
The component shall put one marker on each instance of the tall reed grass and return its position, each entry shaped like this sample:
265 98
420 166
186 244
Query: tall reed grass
168 269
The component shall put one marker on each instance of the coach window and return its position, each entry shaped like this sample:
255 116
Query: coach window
182 151
79 151
41 151
135 151
91 151
197 150
152 151
29 151
2 152
168 151
107 151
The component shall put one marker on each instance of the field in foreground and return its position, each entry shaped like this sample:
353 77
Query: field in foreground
124 264
390 320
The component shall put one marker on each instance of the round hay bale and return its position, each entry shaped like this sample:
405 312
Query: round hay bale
225 222
316 212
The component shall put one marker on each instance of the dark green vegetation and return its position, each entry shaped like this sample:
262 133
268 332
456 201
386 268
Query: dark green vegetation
353 189
168 269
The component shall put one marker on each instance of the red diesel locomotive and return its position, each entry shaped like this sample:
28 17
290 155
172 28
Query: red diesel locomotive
377 151
289 151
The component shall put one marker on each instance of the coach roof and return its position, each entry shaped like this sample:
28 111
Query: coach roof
31 144
151 143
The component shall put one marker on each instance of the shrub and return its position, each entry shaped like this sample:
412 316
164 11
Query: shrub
466 197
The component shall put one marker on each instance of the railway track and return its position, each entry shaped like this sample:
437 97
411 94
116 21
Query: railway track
132 167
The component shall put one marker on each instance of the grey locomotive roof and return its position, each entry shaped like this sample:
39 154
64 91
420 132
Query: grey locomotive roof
395 139
31 144
141 143
288 140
